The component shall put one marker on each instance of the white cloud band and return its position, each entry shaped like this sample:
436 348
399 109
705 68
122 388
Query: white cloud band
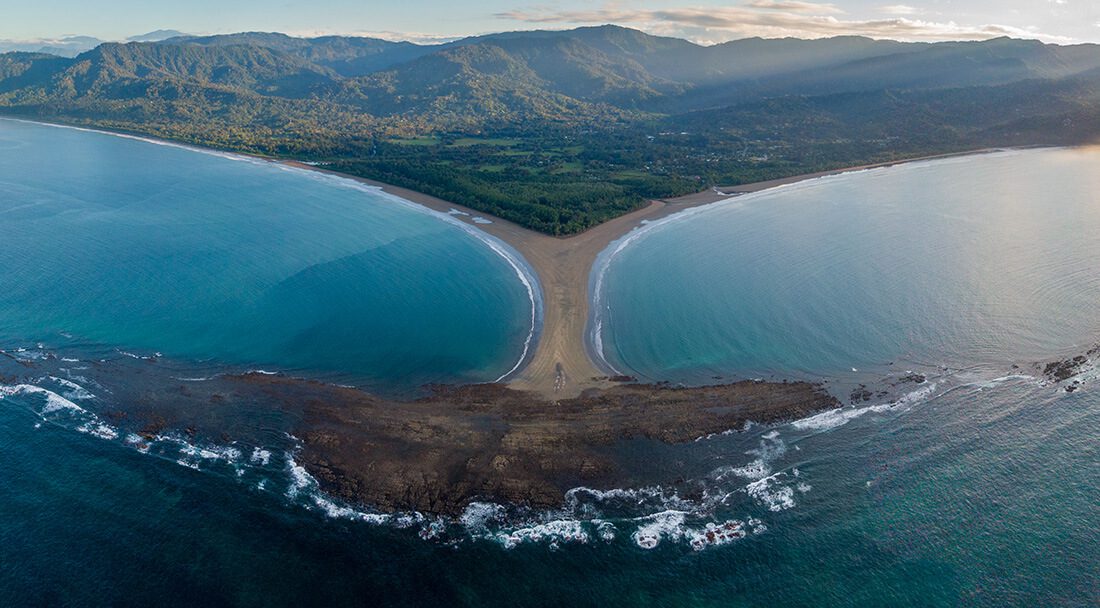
773 19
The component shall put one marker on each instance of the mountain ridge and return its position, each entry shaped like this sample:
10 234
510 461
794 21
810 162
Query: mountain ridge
562 130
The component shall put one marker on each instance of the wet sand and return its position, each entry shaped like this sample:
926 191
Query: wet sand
561 366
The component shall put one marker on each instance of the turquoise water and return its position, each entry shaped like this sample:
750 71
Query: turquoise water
977 497
977 487
980 260
159 249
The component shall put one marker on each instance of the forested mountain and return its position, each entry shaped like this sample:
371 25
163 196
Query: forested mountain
563 130
347 57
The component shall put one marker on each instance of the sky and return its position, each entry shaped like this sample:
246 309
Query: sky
703 21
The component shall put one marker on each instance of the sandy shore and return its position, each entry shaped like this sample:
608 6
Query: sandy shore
561 367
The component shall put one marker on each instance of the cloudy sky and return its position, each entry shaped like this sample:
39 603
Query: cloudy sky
704 21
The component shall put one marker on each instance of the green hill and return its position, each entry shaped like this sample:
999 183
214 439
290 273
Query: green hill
560 131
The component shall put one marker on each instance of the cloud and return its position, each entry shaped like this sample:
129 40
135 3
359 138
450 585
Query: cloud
719 24
392 36
795 6
898 9
68 45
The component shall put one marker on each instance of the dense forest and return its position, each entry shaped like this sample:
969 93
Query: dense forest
560 131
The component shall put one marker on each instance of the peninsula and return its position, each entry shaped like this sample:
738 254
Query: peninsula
559 422
562 365
558 144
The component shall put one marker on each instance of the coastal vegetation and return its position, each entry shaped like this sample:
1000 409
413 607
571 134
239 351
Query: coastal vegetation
561 131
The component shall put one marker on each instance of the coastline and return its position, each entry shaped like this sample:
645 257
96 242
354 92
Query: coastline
562 363
528 441
567 360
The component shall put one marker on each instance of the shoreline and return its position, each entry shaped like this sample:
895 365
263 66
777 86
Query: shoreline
567 358
562 363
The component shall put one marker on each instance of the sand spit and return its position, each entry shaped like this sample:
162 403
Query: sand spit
561 366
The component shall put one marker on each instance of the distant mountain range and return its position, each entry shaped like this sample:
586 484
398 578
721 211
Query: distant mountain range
71 46
563 129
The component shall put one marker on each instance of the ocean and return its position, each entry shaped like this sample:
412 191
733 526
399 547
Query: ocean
112 241
926 293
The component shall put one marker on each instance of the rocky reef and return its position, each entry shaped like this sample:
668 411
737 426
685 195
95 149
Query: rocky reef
438 453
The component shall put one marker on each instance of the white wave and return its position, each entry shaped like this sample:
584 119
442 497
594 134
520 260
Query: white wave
210 452
757 469
478 515
137 442
657 527
99 429
835 418
1003 379
137 356
832 419
559 531
260 456
588 501
26 356
770 449
757 526
304 485
149 140
335 511
300 479
771 493
605 530
54 402
716 535
75 390
671 526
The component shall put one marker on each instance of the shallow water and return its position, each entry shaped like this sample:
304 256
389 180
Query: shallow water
986 259
978 486
969 492
160 249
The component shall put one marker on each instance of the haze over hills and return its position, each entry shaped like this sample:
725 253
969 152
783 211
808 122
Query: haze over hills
71 46
560 130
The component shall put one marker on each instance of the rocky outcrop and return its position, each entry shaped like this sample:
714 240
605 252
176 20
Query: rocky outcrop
489 442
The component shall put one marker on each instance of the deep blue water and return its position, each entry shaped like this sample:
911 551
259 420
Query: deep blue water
978 487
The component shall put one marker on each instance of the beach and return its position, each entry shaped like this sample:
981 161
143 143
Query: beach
561 366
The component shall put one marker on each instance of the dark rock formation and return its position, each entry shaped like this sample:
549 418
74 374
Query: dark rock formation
489 442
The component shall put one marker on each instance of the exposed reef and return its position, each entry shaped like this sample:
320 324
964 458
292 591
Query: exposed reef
489 442
1066 369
